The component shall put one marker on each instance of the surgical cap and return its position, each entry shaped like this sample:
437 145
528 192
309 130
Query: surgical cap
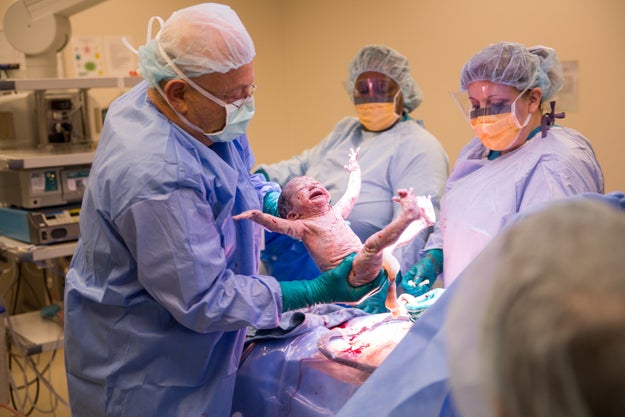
391 63
200 39
515 65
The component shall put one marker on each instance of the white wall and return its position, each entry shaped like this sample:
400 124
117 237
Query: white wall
303 49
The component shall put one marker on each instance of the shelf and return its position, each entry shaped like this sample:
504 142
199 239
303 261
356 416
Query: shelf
36 334
48 157
26 252
68 83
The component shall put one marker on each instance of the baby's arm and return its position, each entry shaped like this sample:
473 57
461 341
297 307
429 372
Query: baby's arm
345 205
294 228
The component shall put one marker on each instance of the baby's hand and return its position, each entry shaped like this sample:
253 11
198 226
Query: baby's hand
249 214
353 164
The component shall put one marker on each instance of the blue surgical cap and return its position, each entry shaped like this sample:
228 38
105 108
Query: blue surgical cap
387 61
200 39
515 65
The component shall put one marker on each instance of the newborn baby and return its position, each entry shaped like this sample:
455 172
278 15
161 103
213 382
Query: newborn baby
306 214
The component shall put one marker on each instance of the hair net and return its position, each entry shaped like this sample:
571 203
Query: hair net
385 60
547 335
200 39
515 65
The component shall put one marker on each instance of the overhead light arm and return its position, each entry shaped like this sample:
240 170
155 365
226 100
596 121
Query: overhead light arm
40 29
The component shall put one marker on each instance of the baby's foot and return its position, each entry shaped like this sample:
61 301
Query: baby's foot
427 209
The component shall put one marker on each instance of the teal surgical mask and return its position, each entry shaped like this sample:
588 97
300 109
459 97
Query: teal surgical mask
238 116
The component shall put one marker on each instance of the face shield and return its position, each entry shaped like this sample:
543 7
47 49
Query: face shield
375 89
471 110
493 118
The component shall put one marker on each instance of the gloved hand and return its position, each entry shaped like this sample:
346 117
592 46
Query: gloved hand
417 305
270 203
329 287
427 269
377 302
263 172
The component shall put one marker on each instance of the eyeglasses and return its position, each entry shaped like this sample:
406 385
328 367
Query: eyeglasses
238 94
234 95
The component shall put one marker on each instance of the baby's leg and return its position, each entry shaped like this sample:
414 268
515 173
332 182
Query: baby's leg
391 265
427 219
365 267
410 211
368 261
371 265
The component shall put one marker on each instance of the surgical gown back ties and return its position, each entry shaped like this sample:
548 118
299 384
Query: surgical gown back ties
404 156
483 195
161 287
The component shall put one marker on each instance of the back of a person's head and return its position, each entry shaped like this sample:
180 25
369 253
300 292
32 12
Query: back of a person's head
554 343
536 325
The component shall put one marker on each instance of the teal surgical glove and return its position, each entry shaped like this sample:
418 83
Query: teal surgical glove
270 203
427 269
418 305
329 287
376 303
264 174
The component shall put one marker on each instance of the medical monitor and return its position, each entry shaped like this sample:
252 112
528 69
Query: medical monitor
36 119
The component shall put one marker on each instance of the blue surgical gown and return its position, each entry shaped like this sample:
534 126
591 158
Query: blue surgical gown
161 287
482 195
403 156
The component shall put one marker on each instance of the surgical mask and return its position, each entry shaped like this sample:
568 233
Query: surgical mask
238 116
238 113
499 132
377 116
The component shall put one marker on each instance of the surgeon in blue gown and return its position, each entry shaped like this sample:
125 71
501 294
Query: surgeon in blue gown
520 157
396 151
163 283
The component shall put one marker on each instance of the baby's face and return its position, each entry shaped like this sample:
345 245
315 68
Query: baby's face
307 196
